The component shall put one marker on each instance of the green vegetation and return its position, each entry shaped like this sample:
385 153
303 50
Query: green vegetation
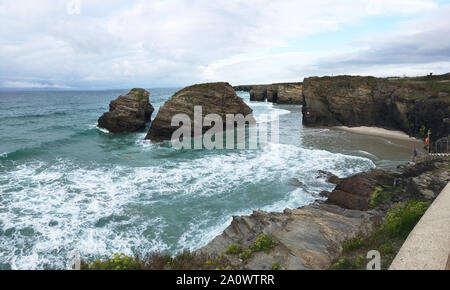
387 239
246 254
140 93
183 261
434 84
263 243
422 132
352 244
381 195
386 248
118 262
401 220
234 249
344 264
275 266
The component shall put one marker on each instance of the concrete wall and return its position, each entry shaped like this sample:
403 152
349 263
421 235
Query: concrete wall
428 245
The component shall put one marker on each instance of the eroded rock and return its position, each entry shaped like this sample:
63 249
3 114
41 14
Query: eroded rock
306 238
128 113
401 104
214 98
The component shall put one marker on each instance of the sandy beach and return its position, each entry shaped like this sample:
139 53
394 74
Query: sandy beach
375 131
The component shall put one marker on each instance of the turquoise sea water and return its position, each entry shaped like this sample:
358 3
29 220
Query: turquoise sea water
66 186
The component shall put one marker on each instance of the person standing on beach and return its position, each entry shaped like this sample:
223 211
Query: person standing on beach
415 154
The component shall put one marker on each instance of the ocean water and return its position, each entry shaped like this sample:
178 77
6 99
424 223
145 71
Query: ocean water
68 187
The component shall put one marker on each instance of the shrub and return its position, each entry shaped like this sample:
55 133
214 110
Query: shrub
359 261
263 243
156 261
343 264
349 264
234 249
118 262
381 195
275 266
386 248
401 220
352 244
246 254
421 132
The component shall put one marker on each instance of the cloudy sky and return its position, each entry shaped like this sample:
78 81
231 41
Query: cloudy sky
106 44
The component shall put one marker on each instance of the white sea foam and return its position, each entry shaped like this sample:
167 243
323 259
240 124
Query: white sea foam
95 126
367 154
51 209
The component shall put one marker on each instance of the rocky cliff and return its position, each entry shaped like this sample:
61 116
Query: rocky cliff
283 93
214 98
128 113
412 105
311 237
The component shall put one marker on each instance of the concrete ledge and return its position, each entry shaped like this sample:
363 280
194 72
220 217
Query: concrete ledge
428 245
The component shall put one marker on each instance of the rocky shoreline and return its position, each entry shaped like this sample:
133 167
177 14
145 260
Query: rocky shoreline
311 237
282 93
412 105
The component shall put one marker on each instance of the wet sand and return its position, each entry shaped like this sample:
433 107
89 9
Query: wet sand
380 132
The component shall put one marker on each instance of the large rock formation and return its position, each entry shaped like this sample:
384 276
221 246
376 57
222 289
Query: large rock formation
128 113
382 187
405 104
283 93
289 94
310 237
258 93
306 238
214 98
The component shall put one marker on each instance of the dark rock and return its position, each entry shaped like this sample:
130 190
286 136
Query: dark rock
306 238
289 94
328 176
272 93
368 101
311 237
128 113
295 182
421 181
282 93
244 88
258 93
214 98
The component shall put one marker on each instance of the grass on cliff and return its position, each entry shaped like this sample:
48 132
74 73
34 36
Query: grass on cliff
381 195
435 84
157 261
263 243
140 93
183 261
387 239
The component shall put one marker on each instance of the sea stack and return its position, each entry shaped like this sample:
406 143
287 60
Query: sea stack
214 98
128 113
281 93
